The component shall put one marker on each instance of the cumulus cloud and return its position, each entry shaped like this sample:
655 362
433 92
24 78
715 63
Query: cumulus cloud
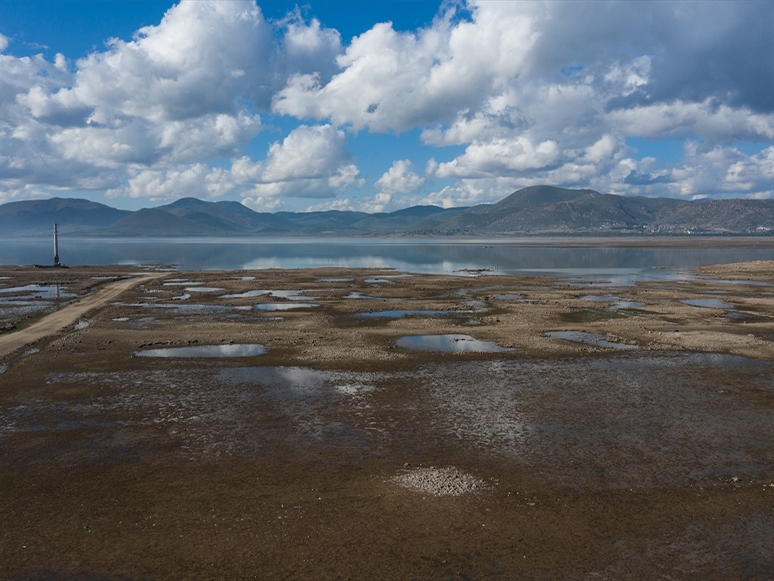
525 92
311 162
399 179
21 192
176 95
464 193
500 156
309 48
579 79
393 81
378 203
705 120
198 60
195 181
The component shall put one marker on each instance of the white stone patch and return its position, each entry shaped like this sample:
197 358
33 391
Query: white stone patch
448 481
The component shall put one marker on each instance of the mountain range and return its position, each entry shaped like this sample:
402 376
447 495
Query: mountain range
537 210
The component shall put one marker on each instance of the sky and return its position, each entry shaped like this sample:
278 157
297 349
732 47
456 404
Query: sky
376 106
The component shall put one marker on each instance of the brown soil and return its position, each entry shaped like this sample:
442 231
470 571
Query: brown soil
69 314
589 462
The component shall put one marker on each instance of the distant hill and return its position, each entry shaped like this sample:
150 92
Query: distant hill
538 210
550 210
37 217
156 222
227 217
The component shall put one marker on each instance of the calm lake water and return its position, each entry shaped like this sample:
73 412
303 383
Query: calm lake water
412 255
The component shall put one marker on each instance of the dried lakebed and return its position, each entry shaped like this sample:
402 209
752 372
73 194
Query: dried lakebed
322 445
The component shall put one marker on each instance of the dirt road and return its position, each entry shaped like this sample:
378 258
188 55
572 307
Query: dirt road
68 315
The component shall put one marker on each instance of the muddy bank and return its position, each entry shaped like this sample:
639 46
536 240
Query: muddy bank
564 458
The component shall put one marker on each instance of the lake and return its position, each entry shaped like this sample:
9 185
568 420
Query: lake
550 256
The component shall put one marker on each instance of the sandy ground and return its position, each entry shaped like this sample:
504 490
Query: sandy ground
581 461
68 315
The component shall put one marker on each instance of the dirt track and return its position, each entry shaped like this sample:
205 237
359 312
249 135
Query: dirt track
68 315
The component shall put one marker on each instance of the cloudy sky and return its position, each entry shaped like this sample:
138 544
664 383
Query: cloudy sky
344 104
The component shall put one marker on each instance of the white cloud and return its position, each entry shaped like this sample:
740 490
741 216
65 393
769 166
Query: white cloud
399 179
306 153
630 75
309 48
311 162
392 81
264 204
378 203
500 157
10 192
463 193
535 92
174 96
705 120
169 185
197 61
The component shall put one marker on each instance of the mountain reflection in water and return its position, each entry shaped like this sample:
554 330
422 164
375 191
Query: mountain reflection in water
412 255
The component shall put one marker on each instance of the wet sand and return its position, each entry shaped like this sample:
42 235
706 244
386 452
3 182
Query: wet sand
585 460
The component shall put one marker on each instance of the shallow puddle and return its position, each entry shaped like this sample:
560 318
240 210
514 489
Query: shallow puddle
203 289
594 339
40 291
183 283
600 298
708 303
284 306
359 295
291 295
623 305
615 302
507 297
245 295
398 314
741 282
187 308
11 310
449 344
244 350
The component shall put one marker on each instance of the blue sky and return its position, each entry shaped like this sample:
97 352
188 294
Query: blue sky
376 106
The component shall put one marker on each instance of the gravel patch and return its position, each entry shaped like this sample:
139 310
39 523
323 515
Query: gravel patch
439 481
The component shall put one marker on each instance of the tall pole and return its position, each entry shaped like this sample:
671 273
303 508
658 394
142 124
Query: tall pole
56 246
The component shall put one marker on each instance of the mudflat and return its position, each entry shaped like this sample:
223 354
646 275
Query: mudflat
364 423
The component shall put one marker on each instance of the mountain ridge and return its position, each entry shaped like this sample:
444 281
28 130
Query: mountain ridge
536 210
